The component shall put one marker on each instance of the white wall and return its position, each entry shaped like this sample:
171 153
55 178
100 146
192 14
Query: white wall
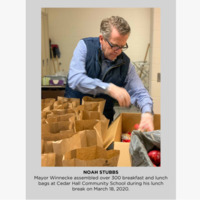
155 60
68 25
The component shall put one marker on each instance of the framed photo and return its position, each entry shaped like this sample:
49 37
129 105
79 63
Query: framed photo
63 133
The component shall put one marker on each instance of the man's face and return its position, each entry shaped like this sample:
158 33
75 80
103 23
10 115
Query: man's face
115 39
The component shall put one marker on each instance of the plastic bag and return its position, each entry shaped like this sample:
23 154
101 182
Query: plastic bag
141 143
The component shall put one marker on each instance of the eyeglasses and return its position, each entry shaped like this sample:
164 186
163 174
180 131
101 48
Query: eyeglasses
116 47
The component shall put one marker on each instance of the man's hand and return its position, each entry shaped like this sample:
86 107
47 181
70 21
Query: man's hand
120 94
146 123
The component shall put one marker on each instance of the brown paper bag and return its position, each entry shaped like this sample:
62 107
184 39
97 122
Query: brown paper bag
74 101
56 127
58 112
43 121
48 160
81 139
49 138
58 104
57 118
61 112
53 132
78 110
48 147
78 140
59 159
104 122
86 115
68 105
101 127
81 125
89 101
92 106
48 108
44 114
47 104
93 138
104 126
57 136
64 105
91 156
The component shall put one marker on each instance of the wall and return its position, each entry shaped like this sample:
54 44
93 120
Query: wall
155 59
68 25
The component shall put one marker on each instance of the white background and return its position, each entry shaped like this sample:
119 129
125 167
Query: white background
13 96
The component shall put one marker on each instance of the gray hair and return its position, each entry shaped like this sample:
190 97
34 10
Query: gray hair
117 22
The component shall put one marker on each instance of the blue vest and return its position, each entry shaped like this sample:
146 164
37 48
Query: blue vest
115 75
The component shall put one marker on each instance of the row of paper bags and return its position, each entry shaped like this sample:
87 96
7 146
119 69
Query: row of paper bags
74 134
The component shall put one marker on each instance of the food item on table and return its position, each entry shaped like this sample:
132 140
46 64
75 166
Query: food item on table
154 155
126 137
126 140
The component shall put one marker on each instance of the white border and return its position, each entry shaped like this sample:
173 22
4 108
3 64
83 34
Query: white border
187 11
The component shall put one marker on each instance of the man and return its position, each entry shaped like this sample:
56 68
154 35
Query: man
100 68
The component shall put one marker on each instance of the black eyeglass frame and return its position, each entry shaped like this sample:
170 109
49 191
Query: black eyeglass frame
116 47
